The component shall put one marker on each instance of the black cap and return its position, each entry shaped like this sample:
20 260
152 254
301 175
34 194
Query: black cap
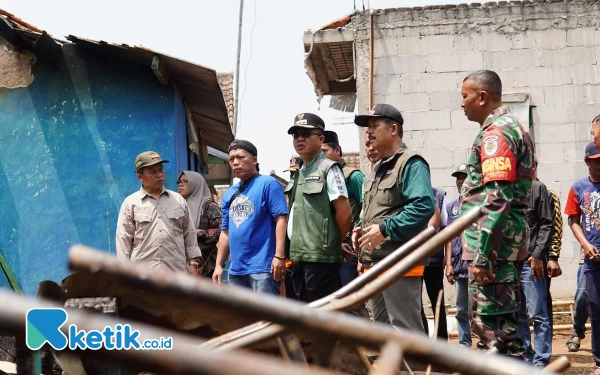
244 145
381 111
462 169
308 121
331 137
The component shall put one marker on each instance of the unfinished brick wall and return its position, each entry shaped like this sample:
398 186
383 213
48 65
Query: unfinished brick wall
550 50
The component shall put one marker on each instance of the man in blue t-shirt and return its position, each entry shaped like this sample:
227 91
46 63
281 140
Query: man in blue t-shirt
254 223
583 209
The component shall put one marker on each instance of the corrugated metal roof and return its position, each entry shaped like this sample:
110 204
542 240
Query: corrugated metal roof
197 84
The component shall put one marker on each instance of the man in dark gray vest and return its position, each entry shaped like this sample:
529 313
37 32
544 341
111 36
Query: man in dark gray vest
320 213
354 182
398 204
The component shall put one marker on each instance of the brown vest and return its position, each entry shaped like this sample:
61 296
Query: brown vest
383 199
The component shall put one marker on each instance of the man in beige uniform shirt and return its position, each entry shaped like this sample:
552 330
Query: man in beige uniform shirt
154 224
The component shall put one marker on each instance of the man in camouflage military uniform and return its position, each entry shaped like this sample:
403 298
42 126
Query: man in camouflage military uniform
498 181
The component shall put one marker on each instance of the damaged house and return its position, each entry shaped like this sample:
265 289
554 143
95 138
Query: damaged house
73 116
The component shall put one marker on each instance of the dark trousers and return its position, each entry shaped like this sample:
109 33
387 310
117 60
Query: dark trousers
592 288
433 277
313 281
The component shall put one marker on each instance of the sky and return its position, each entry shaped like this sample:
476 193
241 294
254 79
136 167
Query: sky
274 86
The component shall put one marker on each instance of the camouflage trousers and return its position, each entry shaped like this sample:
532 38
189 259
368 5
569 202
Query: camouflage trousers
494 309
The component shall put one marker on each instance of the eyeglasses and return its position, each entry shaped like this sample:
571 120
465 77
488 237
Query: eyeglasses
182 182
304 134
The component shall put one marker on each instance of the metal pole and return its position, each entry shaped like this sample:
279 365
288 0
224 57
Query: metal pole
259 331
185 357
353 330
258 334
237 71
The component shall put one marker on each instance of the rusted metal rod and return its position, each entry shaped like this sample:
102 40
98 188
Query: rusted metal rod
259 330
418 256
185 357
389 360
560 365
381 267
353 330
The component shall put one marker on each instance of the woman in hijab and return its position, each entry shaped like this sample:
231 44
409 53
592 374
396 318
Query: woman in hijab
205 214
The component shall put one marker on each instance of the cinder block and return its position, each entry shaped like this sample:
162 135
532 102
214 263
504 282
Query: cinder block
409 64
507 76
568 56
391 65
550 153
584 112
414 139
561 94
550 114
543 39
538 77
444 100
409 45
585 36
461 155
455 62
460 120
386 85
437 158
441 176
425 45
555 133
440 82
413 83
441 139
526 58
411 102
586 74
591 93
426 120
471 42
496 42
583 131
536 95
385 47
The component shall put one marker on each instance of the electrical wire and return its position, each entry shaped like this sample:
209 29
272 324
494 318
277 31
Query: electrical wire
246 73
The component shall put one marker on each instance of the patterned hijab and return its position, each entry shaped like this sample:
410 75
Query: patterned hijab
199 195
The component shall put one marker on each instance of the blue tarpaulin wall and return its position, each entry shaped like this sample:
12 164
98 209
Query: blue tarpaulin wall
67 146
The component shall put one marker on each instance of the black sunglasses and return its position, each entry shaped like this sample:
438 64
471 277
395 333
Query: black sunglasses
306 134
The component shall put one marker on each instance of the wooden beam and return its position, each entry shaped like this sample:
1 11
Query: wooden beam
342 87
160 71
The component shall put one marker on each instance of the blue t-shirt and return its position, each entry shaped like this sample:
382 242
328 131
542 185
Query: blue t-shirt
584 200
251 226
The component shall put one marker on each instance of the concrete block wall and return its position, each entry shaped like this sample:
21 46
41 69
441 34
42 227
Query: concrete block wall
550 50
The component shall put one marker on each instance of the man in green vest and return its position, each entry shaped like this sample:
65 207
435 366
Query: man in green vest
354 182
398 204
320 213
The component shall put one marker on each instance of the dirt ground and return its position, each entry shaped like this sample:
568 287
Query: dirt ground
582 362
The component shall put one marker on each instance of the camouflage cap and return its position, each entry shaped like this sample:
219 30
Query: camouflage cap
148 158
